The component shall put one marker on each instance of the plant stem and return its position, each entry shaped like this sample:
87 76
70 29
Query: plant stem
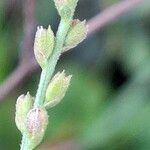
24 145
47 72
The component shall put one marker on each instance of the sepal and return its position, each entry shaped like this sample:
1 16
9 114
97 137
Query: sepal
23 105
43 45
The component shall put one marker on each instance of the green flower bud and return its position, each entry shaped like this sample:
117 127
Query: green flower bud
57 89
66 8
37 121
23 105
76 35
43 45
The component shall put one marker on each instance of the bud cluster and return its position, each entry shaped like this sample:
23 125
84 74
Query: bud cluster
45 39
31 122
31 119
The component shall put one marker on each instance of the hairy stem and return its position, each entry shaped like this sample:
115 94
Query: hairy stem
24 145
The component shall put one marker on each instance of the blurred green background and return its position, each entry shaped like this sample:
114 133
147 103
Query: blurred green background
108 104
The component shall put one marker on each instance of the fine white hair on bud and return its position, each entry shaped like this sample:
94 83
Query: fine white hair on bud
66 8
78 32
57 89
37 121
43 45
23 105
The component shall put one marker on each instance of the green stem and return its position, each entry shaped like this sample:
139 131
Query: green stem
24 144
48 71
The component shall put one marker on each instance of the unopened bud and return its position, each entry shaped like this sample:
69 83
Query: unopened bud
23 105
66 8
76 35
37 121
57 89
43 45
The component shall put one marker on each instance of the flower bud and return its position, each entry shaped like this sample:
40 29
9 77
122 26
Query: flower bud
37 121
23 105
57 89
66 8
76 35
43 45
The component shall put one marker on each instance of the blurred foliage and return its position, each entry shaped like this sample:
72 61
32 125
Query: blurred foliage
108 103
